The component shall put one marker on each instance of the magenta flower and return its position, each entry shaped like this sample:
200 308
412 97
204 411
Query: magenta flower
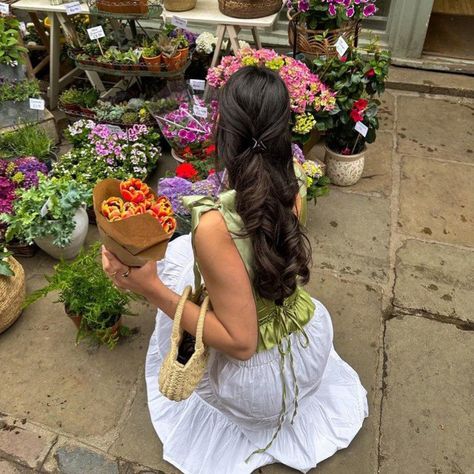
332 10
369 10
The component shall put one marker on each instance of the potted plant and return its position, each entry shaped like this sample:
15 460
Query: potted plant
151 55
90 299
51 215
316 25
171 57
17 174
183 46
11 52
12 289
357 78
70 100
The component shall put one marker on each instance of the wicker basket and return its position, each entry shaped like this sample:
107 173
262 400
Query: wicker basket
22 250
249 8
12 295
177 381
314 43
179 5
123 6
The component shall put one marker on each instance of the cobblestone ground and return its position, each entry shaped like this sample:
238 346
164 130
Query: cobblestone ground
394 263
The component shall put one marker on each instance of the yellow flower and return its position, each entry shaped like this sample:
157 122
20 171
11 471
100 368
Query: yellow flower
250 61
304 123
309 182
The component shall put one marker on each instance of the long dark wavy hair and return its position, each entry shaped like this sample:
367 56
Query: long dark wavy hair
254 145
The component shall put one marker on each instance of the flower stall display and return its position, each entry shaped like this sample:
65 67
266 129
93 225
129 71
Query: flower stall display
91 300
316 25
134 223
21 173
190 130
50 215
311 100
100 152
358 77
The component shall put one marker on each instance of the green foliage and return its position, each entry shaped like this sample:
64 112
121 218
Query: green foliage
318 188
5 268
19 91
26 140
59 198
85 290
360 74
129 118
11 53
86 98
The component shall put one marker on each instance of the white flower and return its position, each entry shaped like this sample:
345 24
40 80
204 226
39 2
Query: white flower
205 43
242 44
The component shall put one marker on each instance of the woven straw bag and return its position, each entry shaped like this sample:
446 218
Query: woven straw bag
178 381
12 295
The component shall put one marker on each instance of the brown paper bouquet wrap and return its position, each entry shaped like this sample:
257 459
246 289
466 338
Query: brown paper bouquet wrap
135 240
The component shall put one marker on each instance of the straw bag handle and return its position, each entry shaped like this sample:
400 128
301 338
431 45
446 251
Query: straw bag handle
200 325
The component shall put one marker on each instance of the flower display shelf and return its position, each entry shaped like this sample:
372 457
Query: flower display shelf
89 115
131 70
126 9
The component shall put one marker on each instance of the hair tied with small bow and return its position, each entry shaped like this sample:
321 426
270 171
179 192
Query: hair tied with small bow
258 145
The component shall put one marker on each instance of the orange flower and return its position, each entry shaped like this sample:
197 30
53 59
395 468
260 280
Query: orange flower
134 190
112 207
168 223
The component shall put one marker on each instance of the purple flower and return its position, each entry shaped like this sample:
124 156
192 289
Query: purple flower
332 10
350 12
369 10
303 5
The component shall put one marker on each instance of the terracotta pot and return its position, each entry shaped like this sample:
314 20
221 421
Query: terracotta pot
184 53
153 63
123 6
77 319
174 63
344 170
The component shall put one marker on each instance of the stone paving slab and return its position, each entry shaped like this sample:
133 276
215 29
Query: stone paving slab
81 389
350 234
387 111
427 420
436 200
440 127
10 468
22 444
435 278
138 441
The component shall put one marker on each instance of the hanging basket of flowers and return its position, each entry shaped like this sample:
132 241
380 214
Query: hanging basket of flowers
315 26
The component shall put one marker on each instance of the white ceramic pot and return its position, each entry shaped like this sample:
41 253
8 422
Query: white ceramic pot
344 170
78 237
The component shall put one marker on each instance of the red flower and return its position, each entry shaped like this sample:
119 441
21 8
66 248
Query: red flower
370 73
343 59
211 172
356 115
210 150
186 171
361 105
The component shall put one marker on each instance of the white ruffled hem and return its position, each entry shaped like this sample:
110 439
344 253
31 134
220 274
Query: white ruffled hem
204 434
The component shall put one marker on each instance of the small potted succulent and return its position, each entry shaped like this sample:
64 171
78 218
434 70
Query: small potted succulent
51 215
12 289
94 304
151 55
171 57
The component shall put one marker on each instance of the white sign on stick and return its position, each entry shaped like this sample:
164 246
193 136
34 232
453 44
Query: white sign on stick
4 8
37 104
361 128
200 111
179 22
341 46
96 33
197 84
73 8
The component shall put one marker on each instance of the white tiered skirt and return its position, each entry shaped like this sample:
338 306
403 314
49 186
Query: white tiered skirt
236 408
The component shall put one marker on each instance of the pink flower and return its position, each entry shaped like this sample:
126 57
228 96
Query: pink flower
369 10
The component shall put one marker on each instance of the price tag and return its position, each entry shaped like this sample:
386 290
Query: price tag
341 46
361 128
96 32
179 22
4 8
72 8
114 129
44 210
197 84
200 111
37 104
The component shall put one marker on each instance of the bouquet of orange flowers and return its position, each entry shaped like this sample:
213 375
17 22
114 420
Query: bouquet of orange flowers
133 222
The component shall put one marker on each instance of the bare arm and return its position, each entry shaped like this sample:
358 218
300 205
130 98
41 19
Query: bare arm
231 327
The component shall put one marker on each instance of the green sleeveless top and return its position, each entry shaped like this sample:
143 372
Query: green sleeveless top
275 322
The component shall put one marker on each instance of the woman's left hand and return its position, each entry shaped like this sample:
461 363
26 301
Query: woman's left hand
139 280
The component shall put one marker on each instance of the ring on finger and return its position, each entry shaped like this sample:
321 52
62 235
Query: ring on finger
125 275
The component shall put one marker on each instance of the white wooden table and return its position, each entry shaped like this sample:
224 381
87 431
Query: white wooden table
207 12
58 17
